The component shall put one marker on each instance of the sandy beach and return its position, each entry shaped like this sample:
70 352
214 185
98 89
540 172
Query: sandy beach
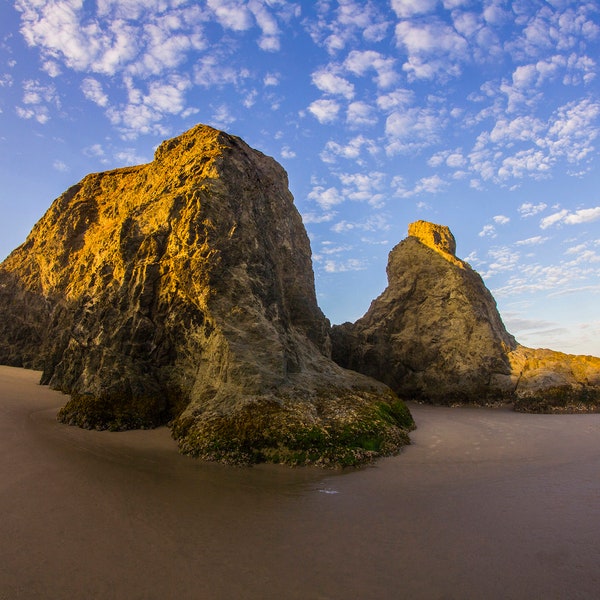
485 503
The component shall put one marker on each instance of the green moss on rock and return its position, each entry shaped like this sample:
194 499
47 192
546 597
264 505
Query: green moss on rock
274 431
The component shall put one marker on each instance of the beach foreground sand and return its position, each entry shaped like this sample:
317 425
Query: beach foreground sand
486 503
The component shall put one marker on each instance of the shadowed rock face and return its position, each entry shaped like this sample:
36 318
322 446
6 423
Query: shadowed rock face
184 288
435 334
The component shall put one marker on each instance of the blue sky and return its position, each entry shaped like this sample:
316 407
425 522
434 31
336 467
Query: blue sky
483 116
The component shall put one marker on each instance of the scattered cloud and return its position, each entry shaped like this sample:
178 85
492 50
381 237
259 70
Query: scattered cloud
527 209
330 83
326 198
351 264
361 114
564 216
488 231
351 150
61 166
532 241
426 185
324 110
412 129
92 90
434 48
361 62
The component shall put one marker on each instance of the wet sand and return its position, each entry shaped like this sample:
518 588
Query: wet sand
486 503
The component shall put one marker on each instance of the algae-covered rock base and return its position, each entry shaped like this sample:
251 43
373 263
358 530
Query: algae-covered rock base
182 291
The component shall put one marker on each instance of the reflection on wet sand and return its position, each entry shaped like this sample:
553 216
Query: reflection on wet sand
485 504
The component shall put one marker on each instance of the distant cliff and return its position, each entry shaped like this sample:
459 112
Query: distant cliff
435 334
183 290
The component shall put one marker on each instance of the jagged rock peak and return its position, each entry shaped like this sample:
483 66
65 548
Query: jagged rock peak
437 237
435 332
183 289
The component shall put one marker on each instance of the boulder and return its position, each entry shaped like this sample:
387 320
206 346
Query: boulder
182 290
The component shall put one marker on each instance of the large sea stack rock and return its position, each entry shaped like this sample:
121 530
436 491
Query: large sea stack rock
184 289
435 334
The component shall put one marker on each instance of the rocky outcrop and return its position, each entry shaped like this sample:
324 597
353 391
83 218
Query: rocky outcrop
183 289
553 382
435 334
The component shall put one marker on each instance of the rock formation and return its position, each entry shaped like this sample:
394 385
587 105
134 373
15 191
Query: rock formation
183 289
435 334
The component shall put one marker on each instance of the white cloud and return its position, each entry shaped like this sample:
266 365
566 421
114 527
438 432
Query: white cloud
522 128
92 90
345 22
531 162
36 93
528 209
269 40
451 158
399 98
527 146
324 110
583 215
287 152
210 70
145 111
129 157
456 160
487 231
412 129
37 98
532 241
501 219
222 117
502 260
168 97
429 185
232 14
61 166
361 61
95 150
364 187
271 79
351 264
361 114
352 150
409 8
434 48
326 198
554 218
378 222
330 83
311 217
573 129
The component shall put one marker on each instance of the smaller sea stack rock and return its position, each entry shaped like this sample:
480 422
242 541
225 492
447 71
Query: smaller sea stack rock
435 334
183 290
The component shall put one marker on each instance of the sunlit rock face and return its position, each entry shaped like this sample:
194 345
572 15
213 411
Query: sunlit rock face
183 289
549 381
435 334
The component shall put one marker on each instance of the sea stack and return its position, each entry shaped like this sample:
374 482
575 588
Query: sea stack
183 290
435 334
